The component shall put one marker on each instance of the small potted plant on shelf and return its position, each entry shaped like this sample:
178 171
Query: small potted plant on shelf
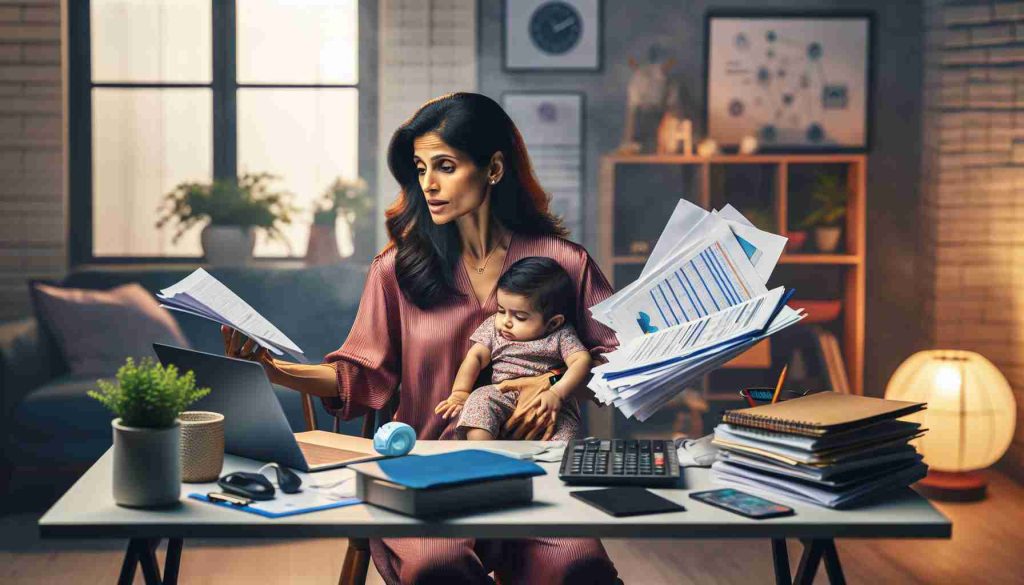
233 210
345 200
831 196
147 400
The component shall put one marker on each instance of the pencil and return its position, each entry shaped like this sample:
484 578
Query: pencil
778 386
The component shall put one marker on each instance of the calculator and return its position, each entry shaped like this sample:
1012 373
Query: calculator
639 462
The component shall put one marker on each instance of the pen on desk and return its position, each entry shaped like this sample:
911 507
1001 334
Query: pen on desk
778 385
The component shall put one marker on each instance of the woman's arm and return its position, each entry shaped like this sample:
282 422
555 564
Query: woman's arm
316 379
363 374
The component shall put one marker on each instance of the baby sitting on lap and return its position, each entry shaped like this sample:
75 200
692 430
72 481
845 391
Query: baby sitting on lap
529 335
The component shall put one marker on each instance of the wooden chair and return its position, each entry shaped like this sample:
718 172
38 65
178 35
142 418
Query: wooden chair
357 556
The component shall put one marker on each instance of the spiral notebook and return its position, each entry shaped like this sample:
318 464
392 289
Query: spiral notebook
819 414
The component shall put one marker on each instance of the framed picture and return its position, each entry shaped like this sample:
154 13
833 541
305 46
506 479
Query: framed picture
795 82
543 35
552 127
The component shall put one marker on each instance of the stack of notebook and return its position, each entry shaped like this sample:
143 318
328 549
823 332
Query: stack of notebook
834 450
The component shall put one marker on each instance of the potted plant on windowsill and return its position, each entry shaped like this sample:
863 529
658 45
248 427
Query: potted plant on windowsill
232 209
344 200
831 196
147 400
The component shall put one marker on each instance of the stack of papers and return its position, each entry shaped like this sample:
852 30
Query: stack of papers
829 449
700 301
202 295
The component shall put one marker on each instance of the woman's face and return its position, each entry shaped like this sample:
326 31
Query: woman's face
452 184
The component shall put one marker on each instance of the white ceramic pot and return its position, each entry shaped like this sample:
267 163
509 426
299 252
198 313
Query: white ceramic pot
827 238
202 446
228 245
147 465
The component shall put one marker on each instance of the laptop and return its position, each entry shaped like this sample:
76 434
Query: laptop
255 425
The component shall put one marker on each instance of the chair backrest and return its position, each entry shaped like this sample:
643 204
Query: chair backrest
371 420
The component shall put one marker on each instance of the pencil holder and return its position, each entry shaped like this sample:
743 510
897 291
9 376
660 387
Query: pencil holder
202 446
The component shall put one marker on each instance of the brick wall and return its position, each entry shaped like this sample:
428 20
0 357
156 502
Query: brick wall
32 202
973 173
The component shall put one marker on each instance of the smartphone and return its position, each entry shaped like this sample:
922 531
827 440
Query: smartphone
742 503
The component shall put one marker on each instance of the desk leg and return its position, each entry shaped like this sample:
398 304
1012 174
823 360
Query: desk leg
147 558
173 560
142 551
814 551
780 558
832 566
131 560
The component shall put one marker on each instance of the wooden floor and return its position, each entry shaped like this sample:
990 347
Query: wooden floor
987 547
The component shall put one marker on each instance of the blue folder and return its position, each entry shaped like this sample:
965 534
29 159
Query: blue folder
456 467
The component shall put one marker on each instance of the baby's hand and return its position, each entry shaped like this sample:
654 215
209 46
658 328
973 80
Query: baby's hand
451 407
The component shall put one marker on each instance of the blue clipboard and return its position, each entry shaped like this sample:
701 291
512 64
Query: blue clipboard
254 508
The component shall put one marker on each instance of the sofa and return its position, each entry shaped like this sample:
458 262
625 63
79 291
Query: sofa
48 422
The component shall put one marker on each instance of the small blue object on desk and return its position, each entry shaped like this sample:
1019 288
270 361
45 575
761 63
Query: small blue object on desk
394 439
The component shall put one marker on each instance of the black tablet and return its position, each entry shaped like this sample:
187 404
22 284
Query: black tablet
627 501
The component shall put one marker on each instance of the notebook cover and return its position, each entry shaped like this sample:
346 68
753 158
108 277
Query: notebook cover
818 414
428 471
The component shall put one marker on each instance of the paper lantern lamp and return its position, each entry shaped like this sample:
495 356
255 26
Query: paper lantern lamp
970 418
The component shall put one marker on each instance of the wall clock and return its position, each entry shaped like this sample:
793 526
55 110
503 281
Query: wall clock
552 35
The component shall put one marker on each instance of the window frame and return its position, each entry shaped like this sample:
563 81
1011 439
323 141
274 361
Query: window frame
224 85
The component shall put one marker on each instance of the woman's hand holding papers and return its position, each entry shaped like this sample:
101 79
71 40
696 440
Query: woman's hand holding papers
237 345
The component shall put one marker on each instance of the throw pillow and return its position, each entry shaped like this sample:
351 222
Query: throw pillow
95 330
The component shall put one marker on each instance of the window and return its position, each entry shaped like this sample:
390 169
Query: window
166 91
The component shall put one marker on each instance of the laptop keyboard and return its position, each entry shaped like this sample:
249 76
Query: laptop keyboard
320 455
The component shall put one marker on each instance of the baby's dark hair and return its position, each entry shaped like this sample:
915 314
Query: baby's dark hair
545 283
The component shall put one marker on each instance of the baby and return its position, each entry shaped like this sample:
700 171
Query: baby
529 335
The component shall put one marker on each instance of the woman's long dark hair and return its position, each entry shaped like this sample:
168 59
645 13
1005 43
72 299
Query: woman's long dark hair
427 253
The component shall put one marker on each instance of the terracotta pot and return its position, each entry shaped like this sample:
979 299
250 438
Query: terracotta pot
827 238
796 241
323 245
228 245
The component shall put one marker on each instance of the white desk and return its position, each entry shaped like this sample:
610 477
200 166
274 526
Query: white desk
87 510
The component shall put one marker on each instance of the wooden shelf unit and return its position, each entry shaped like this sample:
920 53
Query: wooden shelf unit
852 260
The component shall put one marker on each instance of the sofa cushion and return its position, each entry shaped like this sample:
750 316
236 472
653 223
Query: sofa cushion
83 321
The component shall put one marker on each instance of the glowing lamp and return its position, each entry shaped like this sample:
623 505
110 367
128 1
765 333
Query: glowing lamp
970 418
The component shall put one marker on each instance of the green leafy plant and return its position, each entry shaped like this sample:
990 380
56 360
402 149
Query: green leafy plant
831 195
148 395
245 202
347 197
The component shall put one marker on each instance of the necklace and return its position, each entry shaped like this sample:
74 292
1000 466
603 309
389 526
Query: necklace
480 269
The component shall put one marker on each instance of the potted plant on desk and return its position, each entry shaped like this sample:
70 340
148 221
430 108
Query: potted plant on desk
147 400
233 209
831 195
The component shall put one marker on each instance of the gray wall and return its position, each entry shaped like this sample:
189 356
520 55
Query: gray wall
894 316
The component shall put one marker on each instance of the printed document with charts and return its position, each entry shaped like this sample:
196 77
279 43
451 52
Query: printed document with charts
700 301
202 295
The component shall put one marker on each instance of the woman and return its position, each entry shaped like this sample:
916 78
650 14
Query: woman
469 207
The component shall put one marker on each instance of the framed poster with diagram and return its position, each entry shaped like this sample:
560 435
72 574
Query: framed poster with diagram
794 81
546 35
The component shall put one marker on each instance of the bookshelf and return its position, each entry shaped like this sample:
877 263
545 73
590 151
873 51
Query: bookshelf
699 174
